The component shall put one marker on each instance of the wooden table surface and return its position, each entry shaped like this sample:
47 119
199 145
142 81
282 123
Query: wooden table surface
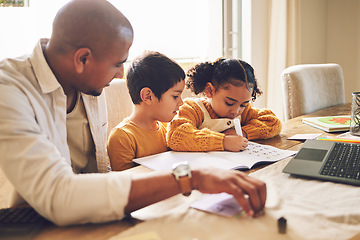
106 230
295 126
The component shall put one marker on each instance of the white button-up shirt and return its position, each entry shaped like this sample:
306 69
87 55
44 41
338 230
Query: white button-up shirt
34 152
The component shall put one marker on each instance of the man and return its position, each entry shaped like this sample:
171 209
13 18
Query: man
53 125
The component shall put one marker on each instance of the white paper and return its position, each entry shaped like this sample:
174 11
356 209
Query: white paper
304 136
223 204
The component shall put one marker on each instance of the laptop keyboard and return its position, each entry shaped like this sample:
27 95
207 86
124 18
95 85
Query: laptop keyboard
20 223
344 161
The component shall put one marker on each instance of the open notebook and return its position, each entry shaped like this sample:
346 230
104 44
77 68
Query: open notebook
254 154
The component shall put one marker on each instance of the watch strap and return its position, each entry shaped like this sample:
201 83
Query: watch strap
185 185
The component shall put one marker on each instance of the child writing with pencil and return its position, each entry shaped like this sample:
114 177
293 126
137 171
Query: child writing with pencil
207 124
155 84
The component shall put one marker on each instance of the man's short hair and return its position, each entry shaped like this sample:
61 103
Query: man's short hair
155 71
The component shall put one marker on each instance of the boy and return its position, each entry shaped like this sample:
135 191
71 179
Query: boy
155 84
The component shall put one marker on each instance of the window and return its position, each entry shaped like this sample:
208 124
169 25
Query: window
232 28
187 30
14 3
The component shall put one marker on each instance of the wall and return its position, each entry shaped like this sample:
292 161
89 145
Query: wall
255 27
313 31
343 41
330 32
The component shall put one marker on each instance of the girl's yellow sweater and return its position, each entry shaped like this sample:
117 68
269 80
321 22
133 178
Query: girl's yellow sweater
184 133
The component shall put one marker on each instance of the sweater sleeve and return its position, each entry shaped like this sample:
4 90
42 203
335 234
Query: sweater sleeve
184 135
121 150
260 123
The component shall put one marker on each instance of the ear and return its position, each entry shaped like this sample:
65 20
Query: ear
146 95
209 90
81 59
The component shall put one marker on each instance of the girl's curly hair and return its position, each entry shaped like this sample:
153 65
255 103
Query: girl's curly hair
220 73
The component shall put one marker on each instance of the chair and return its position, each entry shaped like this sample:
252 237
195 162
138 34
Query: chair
118 101
311 87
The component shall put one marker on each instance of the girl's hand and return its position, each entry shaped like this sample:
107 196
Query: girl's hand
235 143
230 131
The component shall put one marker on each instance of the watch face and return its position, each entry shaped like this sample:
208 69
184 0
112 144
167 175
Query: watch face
181 169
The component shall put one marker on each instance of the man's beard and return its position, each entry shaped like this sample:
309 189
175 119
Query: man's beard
94 93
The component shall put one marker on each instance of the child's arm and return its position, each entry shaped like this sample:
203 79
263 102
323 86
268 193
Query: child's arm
120 150
184 135
259 123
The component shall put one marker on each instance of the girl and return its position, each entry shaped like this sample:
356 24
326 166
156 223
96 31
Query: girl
207 124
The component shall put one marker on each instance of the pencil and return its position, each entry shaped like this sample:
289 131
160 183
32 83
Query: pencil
340 140
238 127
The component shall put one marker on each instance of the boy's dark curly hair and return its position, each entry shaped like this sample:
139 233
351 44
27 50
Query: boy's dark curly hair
220 73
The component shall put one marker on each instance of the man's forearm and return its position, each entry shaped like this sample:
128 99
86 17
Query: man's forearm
152 188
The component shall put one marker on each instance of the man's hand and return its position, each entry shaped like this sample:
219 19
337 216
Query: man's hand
153 187
248 191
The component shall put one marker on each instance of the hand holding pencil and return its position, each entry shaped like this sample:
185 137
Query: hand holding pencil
235 143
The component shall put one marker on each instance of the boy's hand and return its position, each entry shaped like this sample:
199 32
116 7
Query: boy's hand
235 143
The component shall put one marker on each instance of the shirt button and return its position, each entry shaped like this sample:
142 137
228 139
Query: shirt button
59 103
228 123
62 141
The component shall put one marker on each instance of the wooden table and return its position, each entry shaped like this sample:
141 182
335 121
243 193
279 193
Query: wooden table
295 126
106 230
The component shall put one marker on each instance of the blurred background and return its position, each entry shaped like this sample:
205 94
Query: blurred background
269 34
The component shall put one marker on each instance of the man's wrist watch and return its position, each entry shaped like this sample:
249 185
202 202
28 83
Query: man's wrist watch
182 173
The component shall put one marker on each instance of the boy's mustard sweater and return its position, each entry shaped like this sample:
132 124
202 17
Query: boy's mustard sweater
184 133
128 141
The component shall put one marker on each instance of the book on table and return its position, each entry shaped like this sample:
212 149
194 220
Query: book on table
253 155
329 123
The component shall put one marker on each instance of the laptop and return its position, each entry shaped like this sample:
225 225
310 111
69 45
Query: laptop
327 160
